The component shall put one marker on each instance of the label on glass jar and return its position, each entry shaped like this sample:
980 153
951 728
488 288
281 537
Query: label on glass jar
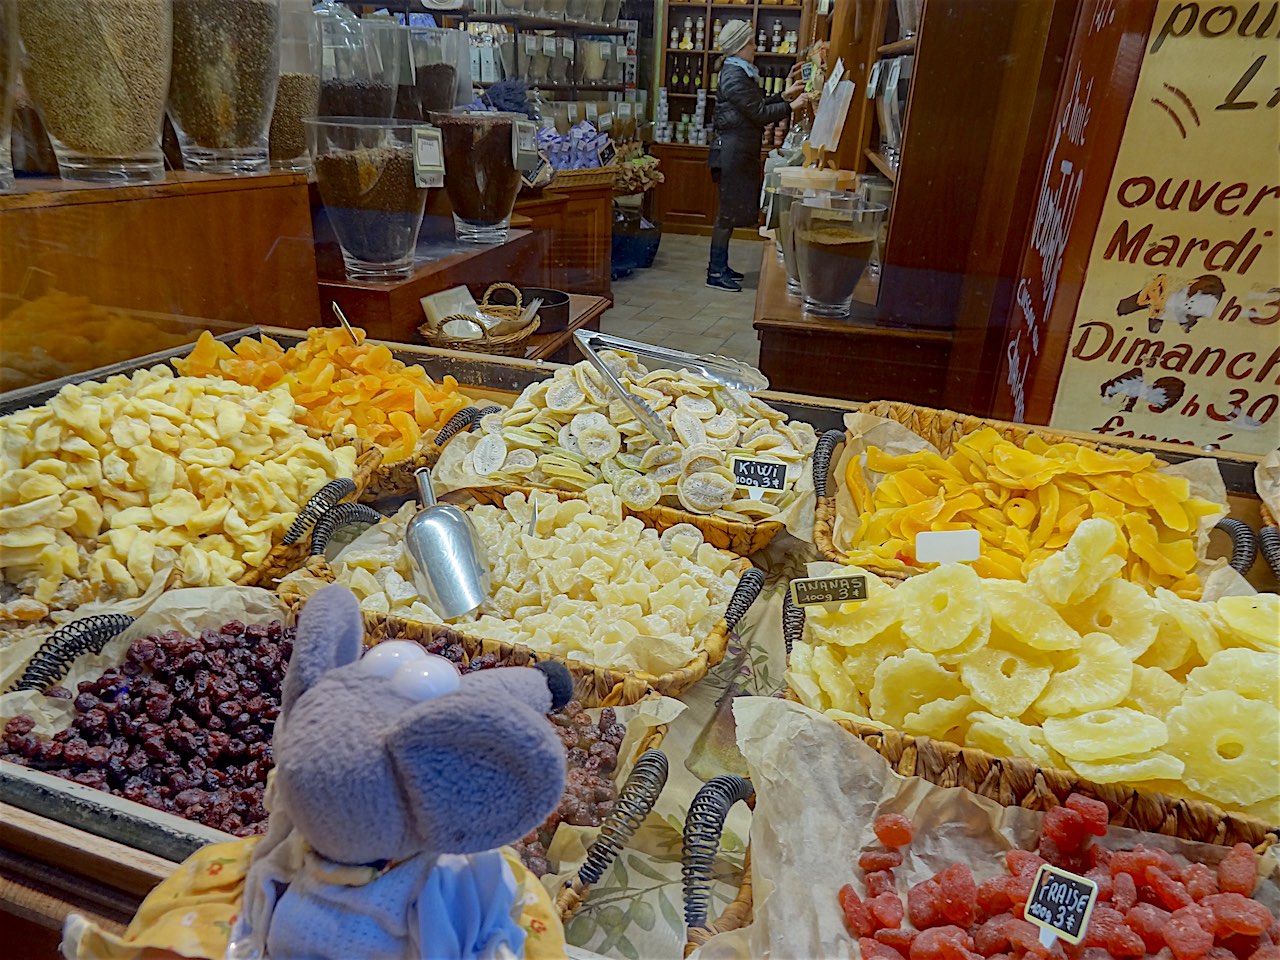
524 145
569 47
606 51
593 110
606 122
530 43
428 157
549 46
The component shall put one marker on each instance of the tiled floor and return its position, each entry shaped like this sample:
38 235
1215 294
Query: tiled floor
670 304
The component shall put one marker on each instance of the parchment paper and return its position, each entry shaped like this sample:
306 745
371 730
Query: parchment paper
818 791
190 610
1266 480
451 474
864 430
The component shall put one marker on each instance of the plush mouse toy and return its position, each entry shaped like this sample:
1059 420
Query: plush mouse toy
396 782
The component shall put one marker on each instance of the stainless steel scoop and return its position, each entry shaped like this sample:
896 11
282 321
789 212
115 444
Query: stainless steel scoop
450 569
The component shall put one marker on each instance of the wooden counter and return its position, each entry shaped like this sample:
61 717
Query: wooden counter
686 200
222 248
584 314
850 359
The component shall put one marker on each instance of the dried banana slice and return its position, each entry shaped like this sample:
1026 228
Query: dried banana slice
660 455
679 530
565 396
705 492
639 493
688 428
599 442
702 407
489 454
702 456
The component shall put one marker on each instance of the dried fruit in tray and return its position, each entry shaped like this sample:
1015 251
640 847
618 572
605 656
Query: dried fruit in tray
1026 500
1096 677
1150 902
344 388
587 586
184 725
572 431
111 484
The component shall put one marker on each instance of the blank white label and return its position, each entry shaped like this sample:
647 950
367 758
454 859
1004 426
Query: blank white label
948 546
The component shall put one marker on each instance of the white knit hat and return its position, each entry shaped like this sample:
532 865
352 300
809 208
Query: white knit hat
734 35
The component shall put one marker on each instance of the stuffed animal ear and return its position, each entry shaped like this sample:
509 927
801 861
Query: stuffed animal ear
477 770
330 634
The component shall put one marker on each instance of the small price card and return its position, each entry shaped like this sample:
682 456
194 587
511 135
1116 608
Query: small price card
428 157
530 43
540 176
1060 904
823 591
606 122
524 145
757 476
593 110
948 546
549 45
608 153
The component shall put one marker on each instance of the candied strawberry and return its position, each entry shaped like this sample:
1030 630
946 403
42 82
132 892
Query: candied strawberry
1065 827
1124 892
893 830
857 915
1025 938
887 910
1093 812
1135 862
1236 913
898 938
1238 871
1170 892
1147 921
1095 953
992 936
880 881
1068 858
1266 953
1103 923
1001 956
1200 881
1240 945
1020 862
993 896
872 860
942 943
1186 936
1102 877
959 894
1098 856
924 905
1125 943
875 950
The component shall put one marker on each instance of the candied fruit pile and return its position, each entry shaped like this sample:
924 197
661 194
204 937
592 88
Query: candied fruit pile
1150 902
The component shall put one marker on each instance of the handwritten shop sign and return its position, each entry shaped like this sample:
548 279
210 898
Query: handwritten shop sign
1177 333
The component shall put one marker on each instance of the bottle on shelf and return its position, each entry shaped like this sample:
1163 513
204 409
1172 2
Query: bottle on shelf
761 40
675 36
686 79
686 41
715 81
777 36
715 34
700 35
697 81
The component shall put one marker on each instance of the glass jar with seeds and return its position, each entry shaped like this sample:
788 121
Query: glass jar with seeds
226 65
431 81
8 85
481 179
361 66
298 95
364 169
99 73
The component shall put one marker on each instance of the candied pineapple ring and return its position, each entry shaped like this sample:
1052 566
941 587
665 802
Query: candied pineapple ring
1071 668
345 389
1026 500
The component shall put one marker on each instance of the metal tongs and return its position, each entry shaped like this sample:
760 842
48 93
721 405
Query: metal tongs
449 565
722 370
647 416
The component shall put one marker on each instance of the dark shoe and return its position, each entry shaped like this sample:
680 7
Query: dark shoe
724 282
733 274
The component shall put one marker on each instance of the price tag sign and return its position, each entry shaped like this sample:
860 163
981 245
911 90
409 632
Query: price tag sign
757 476
608 153
828 591
428 157
593 110
549 46
530 43
606 122
540 176
948 546
1060 904
524 145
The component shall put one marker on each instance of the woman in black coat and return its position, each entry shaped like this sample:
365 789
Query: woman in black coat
742 113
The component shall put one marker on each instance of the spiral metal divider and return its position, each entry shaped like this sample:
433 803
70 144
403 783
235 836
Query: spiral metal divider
635 801
462 421
65 645
1244 543
702 830
744 595
822 453
1269 541
327 498
792 623
336 517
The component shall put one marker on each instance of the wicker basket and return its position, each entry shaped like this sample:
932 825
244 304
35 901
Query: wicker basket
943 428
585 177
594 686
504 345
742 538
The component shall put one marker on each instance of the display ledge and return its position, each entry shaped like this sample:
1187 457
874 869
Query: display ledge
32 192
526 22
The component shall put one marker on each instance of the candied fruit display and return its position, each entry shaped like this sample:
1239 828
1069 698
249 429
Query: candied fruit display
588 585
1026 500
572 432
1150 902
184 725
1090 677
342 388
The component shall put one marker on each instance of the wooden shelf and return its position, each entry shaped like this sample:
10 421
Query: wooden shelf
784 56
687 53
882 165
524 22
897 48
